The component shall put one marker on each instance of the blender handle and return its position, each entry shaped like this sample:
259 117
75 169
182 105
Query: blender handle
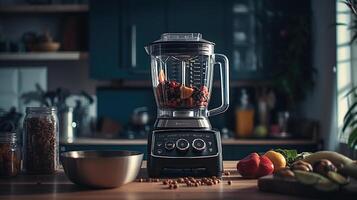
224 74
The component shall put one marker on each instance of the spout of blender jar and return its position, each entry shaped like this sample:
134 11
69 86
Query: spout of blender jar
147 50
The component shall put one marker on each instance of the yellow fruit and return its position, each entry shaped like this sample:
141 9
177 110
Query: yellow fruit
161 76
186 92
277 159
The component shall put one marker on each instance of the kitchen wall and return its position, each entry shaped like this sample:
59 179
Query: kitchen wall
320 104
15 81
73 75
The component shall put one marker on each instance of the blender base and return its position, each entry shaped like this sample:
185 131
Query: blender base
184 152
183 123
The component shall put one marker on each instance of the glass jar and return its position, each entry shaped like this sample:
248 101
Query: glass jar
10 155
41 140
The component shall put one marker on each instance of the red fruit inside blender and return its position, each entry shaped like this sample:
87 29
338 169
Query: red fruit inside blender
173 94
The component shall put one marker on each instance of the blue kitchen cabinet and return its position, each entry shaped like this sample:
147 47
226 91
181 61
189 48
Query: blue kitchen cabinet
119 30
247 31
105 39
145 21
120 104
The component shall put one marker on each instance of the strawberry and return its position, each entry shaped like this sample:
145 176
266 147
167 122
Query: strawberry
249 165
266 167
204 89
255 166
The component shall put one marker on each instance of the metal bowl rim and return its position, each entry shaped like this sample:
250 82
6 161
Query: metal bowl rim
66 155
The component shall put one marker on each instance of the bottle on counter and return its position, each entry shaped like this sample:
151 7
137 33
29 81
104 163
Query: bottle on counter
244 115
41 144
10 155
261 130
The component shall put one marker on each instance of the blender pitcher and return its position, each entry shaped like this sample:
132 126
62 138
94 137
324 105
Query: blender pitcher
182 66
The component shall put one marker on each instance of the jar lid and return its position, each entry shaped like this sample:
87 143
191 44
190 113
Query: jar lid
40 109
8 137
180 44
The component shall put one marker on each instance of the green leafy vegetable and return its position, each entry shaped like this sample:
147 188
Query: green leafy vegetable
289 154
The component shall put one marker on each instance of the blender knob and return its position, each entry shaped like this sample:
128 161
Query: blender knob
170 145
182 144
198 144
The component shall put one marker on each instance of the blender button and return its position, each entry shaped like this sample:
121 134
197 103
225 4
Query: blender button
159 151
209 143
182 144
198 144
210 150
159 144
169 145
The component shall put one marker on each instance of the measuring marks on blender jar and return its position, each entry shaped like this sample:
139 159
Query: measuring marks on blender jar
197 71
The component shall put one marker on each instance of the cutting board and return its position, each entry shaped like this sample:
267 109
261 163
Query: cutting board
292 187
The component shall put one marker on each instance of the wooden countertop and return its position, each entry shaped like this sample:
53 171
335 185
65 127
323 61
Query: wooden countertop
100 141
59 187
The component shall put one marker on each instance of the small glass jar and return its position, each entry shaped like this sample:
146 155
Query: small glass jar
41 140
10 155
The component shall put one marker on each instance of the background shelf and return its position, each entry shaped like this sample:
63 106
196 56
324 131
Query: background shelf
38 56
69 8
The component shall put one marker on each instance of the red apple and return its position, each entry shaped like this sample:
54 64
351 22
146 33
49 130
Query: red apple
249 165
266 167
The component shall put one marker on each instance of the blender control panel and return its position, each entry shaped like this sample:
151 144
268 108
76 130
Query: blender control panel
184 143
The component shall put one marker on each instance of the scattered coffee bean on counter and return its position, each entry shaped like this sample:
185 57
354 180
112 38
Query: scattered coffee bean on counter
227 173
229 182
171 186
184 181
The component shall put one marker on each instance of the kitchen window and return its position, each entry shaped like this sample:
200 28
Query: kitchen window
346 75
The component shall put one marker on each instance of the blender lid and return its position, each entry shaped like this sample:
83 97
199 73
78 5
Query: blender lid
180 43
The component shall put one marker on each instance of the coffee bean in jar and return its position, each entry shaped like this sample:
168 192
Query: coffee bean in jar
10 155
41 140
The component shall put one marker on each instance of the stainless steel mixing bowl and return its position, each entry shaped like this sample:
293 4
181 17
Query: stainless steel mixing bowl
101 169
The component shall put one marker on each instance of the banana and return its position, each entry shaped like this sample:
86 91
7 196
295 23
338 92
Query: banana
349 169
337 159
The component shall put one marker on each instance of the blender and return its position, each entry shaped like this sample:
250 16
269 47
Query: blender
183 142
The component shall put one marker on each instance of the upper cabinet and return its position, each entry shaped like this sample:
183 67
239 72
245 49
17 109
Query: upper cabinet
143 22
119 32
105 44
244 30
245 39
